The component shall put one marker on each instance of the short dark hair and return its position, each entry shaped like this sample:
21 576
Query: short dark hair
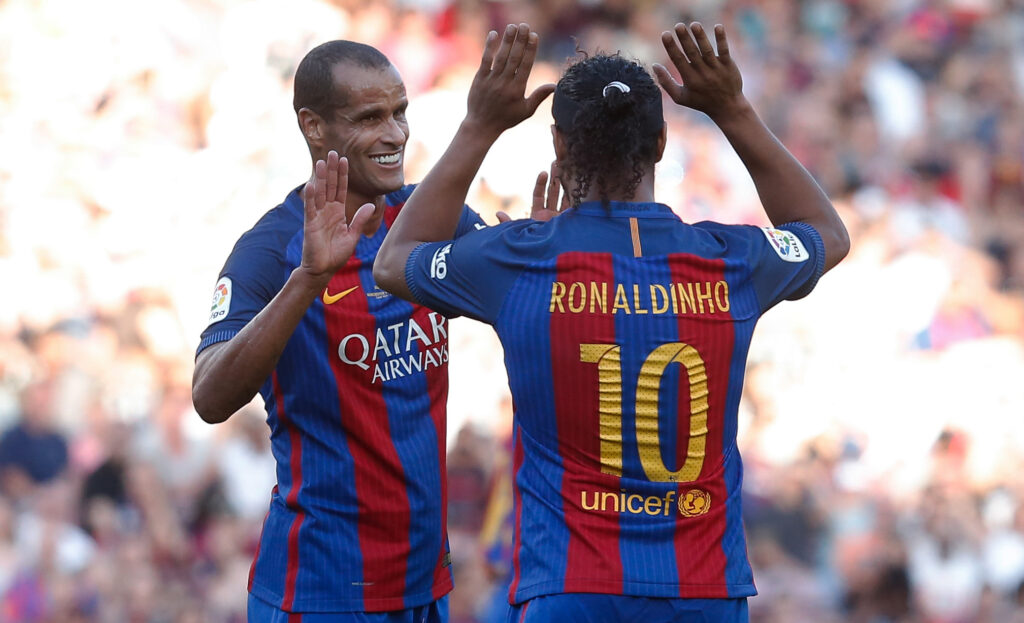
611 132
314 81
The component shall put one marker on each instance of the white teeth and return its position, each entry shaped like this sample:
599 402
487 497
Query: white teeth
392 159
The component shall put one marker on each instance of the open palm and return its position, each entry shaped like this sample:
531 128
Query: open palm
329 239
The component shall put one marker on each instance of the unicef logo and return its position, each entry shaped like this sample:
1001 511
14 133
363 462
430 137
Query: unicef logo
694 503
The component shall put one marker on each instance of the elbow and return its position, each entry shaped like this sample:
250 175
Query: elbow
205 404
385 275
837 246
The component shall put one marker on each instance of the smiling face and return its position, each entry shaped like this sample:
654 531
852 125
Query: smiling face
370 129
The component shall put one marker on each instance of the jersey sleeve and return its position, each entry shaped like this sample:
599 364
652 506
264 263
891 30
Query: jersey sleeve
469 276
252 275
469 221
787 262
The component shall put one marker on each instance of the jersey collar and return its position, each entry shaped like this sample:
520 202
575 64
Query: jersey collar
626 209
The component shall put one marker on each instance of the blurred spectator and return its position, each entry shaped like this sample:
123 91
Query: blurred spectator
33 451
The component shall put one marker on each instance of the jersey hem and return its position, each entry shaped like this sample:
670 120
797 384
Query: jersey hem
383 604
216 338
819 256
636 589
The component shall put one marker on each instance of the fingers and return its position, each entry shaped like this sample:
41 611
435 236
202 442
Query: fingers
539 95
308 199
332 175
668 83
320 184
554 185
707 51
723 44
538 190
361 218
501 56
517 53
341 188
689 47
503 217
490 47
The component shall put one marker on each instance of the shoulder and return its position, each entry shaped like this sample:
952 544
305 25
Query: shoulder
398 197
277 226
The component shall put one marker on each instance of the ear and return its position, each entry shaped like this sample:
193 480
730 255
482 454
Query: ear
662 141
558 139
312 126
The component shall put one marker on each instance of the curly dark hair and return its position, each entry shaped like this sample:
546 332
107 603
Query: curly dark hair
314 80
611 135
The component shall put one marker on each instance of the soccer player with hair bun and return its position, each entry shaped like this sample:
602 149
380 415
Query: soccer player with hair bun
625 329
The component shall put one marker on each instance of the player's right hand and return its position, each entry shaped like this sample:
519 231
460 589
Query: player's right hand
329 239
497 98
711 82
546 205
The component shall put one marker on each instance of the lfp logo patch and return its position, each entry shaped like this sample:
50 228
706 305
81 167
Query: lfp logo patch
221 303
786 244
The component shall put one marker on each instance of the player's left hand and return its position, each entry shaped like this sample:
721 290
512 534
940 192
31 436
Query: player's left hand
546 205
497 98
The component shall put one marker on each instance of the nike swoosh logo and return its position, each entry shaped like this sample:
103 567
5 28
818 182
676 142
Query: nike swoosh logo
334 298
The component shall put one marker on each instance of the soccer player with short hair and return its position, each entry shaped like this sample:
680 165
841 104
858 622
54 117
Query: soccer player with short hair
354 380
625 329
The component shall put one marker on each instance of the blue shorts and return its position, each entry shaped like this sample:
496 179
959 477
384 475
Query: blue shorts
260 611
598 608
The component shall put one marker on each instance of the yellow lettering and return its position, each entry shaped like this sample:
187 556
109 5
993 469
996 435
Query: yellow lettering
599 297
580 293
583 501
636 300
686 298
615 500
705 296
652 505
629 501
656 307
557 292
722 295
608 358
668 500
621 302
675 302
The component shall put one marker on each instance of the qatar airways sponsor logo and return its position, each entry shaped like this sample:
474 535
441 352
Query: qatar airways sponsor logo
399 349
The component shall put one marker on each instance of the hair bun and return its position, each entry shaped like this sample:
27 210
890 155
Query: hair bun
617 97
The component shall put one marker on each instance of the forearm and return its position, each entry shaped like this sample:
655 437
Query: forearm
229 374
432 211
787 191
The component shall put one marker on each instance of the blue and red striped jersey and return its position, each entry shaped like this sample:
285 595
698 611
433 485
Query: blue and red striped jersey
625 333
356 409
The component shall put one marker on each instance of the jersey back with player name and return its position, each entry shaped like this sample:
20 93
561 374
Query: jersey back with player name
625 336
356 407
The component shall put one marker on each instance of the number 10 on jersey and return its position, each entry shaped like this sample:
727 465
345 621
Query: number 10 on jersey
648 384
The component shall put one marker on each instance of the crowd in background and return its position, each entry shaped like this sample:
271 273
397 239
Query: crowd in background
881 426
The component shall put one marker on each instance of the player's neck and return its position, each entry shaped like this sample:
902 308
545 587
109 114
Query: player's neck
355 200
644 193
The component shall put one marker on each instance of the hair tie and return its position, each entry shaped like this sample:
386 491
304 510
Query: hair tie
614 84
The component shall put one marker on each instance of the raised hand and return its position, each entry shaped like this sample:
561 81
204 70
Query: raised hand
497 98
712 82
546 205
329 239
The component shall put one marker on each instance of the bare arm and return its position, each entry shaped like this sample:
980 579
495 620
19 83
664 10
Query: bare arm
228 375
712 84
496 103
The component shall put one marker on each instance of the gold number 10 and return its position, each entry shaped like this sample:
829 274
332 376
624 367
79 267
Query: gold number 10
609 373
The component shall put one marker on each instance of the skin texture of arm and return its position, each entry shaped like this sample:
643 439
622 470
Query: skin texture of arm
227 375
496 102
711 83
